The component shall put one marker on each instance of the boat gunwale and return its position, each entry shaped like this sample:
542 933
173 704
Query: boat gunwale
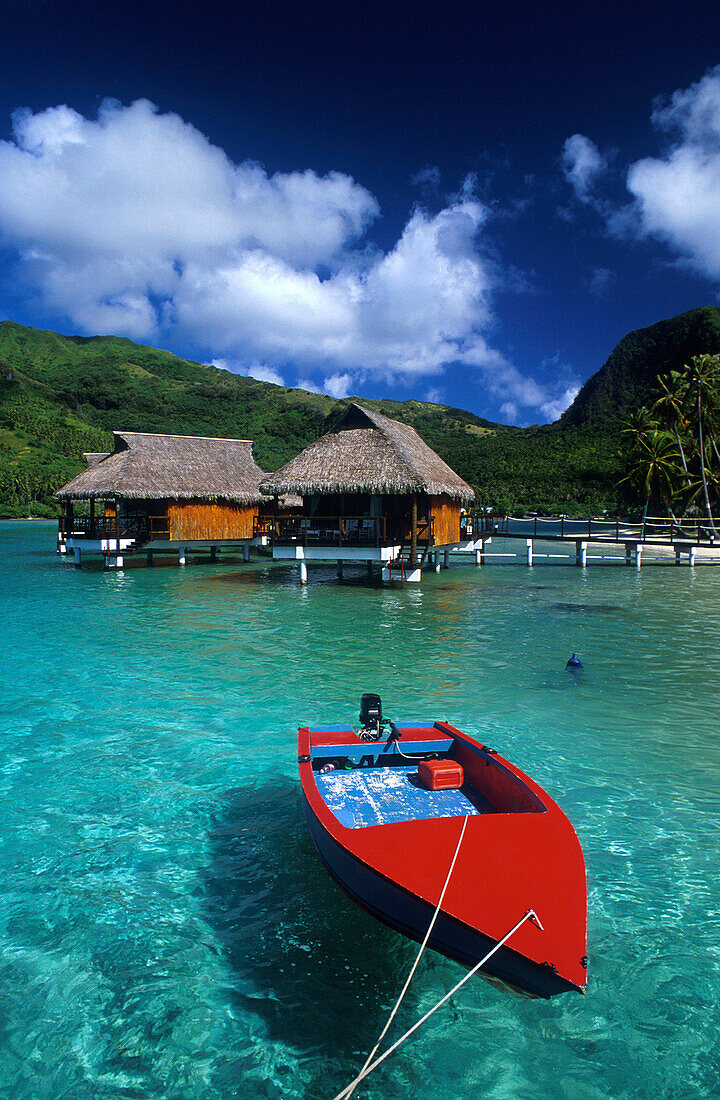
543 802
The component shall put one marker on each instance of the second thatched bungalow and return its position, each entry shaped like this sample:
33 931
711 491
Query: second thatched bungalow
162 492
372 490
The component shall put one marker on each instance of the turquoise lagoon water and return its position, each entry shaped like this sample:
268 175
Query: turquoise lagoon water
167 930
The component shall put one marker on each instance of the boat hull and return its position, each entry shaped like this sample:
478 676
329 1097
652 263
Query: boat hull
406 913
388 842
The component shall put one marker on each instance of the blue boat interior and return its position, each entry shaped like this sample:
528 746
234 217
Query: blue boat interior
376 782
382 795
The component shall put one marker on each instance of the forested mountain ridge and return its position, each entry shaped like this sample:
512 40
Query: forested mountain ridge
628 379
63 395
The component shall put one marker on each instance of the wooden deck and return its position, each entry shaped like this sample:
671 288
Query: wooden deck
651 531
686 540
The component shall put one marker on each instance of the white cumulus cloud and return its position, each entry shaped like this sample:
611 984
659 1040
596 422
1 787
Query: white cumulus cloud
338 385
582 163
134 223
678 194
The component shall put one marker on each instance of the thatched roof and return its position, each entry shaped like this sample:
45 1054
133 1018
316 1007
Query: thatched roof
93 457
368 453
174 467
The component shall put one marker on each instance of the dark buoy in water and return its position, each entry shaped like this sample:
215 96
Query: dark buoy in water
574 663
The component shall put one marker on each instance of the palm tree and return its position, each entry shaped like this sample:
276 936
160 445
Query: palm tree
653 463
702 379
671 407
638 423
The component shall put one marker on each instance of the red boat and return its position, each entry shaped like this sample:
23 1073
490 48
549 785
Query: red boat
386 816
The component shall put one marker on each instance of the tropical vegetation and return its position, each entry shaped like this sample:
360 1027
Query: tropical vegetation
672 455
61 396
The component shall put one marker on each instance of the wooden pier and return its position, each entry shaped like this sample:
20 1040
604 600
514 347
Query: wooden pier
686 540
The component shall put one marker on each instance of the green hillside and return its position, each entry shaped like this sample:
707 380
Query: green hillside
63 395
628 379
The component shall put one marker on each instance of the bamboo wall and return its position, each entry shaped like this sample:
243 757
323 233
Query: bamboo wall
446 513
196 519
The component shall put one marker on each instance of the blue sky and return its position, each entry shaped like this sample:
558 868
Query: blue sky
444 202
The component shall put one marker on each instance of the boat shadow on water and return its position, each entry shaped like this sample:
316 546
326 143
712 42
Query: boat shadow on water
321 974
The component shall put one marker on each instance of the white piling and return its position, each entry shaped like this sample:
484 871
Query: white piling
529 551
181 555
303 571
581 552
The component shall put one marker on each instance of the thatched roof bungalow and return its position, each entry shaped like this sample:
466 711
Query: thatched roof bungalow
375 478
177 489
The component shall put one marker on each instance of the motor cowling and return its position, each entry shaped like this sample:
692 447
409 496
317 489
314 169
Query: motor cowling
370 711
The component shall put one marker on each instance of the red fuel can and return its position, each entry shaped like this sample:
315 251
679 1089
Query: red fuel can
440 775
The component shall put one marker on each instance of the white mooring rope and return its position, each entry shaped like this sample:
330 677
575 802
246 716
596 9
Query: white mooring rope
414 966
367 1069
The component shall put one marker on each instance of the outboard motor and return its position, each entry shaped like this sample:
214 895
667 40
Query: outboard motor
371 712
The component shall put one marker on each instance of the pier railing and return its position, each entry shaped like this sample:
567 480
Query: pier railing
652 529
330 530
264 525
475 524
139 528
343 530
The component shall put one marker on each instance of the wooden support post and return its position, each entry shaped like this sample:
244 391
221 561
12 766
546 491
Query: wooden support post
246 553
303 571
446 559
413 531
369 568
628 553
78 556
181 555
678 555
580 552
529 551
340 568
213 553
150 557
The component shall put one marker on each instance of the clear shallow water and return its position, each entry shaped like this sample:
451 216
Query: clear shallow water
167 930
